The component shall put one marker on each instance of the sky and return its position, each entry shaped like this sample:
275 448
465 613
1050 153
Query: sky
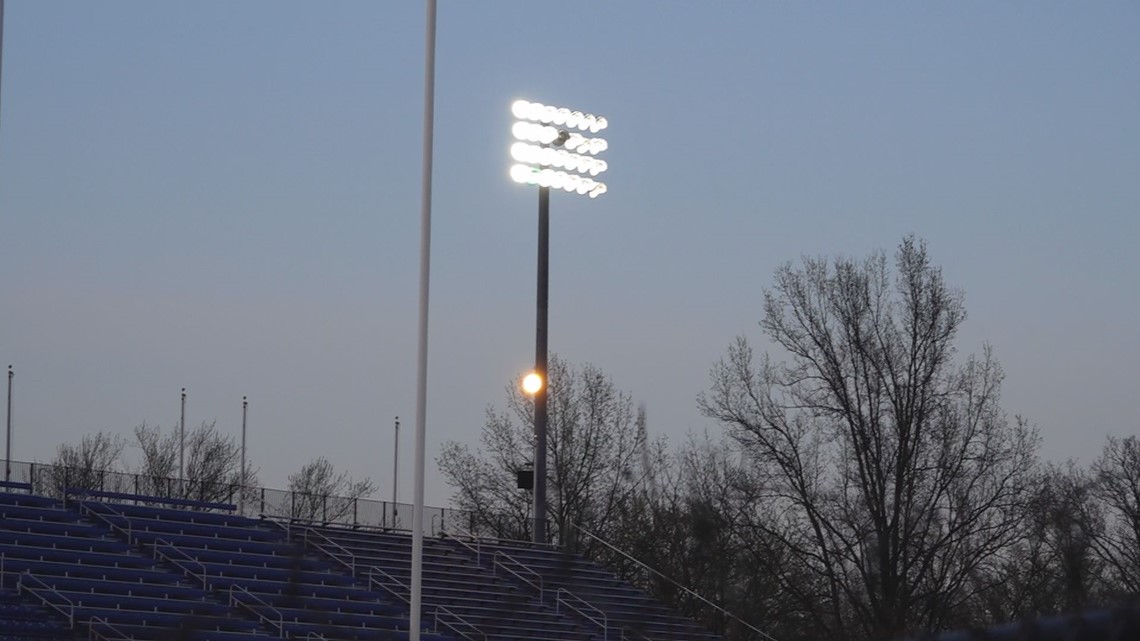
224 196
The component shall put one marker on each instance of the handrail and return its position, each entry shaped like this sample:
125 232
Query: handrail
479 634
634 635
204 577
476 548
236 602
684 589
499 564
373 570
560 600
84 506
67 612
350 564
92 632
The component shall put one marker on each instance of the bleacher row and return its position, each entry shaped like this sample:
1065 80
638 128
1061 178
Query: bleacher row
118 567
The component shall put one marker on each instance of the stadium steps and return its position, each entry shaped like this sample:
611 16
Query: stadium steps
496 606
260 574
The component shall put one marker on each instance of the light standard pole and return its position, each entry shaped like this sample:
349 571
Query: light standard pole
548 154
182 446
8 438
241 486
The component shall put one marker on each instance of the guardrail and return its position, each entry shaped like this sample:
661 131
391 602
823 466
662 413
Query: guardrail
95 635
278 623
326 543
384 584
584 608
462 534
86 508
683 588
68 611
159 555
534 580
457 628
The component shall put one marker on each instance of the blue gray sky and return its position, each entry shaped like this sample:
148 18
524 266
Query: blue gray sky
225 196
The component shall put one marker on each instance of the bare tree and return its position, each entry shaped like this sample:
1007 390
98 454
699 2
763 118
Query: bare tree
158 465
596 443
213 464
84 466
319 493
888 476
1118 487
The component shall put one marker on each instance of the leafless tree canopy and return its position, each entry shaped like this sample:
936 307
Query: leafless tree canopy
322 494
597 444
1117 475
884 475
84 466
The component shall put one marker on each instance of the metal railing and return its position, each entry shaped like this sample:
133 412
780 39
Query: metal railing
86 508
325 543
386 584
39 591
463 537
236 602
583 608
519 571
460 627
178 563
672 582
96 635
53 480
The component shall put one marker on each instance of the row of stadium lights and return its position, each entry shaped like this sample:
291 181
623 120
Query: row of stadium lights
561 159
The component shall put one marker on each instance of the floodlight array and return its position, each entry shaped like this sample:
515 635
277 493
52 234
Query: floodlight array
548 153
555 179
558 116
560 158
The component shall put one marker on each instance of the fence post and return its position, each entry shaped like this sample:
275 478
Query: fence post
355 503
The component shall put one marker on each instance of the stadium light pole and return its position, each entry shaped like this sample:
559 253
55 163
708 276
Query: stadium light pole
549 153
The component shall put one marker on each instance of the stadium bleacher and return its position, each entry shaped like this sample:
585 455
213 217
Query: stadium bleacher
108 566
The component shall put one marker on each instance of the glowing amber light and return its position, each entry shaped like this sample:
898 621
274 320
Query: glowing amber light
531 383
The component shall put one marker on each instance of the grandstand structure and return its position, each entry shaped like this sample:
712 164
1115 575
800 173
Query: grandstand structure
102 562
112 565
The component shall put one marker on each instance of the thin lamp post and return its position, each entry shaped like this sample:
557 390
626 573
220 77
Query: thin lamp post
395 471
550 154
8 437
241 486
182 446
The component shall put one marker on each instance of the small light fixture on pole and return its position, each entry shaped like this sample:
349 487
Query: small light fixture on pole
531 383
549 153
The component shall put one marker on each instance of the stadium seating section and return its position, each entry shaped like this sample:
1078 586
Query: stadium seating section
115 567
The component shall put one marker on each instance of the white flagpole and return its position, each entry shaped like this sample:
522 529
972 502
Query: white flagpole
421 361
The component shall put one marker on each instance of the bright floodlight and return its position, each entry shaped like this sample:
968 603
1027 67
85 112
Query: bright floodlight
545 114
549 155
531 383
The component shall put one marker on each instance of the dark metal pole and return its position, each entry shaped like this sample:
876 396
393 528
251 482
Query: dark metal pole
540 366
395 472
241 486
182 445
8 439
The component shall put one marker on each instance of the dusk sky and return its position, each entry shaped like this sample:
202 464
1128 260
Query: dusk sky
224 196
